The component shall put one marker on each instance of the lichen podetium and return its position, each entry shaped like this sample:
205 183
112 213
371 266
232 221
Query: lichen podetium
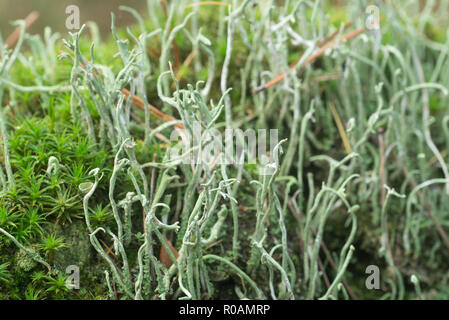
356 181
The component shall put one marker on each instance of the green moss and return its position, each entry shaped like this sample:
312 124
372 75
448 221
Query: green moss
23 261
52 153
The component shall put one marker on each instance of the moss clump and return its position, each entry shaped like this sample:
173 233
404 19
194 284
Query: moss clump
23 261
87 180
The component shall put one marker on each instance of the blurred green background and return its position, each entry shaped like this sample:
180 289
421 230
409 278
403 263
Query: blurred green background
52 13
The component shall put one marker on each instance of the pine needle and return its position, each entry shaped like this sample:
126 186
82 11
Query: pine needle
29 20
341 129
314 56
208 3
139 103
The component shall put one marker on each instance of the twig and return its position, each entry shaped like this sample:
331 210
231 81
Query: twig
29 20
327 77
163 255
312 58
208 3
139 103
185 64
333 35
109 249
341 129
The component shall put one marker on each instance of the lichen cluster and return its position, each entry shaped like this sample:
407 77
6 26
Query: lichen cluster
357 178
